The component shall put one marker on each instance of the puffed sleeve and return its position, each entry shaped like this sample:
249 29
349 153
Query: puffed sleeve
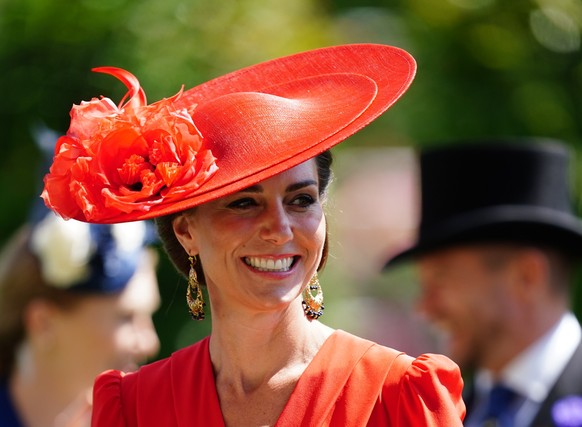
108 409
430 393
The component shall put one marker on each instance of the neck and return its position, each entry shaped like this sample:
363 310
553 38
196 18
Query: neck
43 396
524 335
248 352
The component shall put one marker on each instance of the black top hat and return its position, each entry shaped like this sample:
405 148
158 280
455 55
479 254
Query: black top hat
496 191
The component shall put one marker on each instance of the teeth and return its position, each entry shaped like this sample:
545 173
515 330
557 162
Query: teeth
269 264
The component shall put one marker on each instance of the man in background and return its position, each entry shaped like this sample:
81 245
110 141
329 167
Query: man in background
496 251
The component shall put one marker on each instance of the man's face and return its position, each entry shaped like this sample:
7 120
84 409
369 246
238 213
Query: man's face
466 292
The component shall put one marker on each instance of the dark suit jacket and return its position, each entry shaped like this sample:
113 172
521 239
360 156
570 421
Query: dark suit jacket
569 383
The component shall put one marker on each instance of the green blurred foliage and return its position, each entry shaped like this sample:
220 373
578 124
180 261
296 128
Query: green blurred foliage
485 68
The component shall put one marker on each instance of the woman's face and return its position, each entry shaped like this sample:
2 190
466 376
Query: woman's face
110 332
260 246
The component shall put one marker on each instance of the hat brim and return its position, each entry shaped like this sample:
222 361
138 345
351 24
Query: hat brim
502 224
139 161
377 74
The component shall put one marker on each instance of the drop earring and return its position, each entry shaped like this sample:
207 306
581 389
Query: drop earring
313 304
194 296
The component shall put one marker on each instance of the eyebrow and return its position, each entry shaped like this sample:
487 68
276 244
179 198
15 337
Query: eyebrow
292 187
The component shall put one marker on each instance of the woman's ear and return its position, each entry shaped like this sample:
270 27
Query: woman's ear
183 231
39 322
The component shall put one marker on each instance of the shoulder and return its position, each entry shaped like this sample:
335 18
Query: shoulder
115 393
427 373
430 384
427 368
398 389
434 368
369 349
107 402
113 385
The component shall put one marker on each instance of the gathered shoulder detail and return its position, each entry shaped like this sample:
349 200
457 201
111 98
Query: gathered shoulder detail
111 411
430 390
176 391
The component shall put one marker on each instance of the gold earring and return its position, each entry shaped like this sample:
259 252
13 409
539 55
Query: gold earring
194 296
313 304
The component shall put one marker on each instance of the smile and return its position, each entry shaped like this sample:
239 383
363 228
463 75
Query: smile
270 264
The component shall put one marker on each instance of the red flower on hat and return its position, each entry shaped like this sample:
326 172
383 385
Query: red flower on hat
127 158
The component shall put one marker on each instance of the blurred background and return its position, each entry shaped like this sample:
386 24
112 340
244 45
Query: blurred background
485 68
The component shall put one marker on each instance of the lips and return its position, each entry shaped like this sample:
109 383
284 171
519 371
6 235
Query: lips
270 264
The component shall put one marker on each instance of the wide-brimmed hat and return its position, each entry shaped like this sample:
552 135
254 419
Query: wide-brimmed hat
497 191
137 161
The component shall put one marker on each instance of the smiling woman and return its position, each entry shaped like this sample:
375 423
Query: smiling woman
236 171
244 239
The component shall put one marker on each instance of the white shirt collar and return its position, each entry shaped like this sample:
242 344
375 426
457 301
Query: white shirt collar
533 372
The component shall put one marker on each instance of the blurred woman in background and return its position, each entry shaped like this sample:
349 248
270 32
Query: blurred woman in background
75 299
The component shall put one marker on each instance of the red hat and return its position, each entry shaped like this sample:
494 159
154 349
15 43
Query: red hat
140 161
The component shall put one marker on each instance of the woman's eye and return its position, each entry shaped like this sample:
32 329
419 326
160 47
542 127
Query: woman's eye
303 200
243 203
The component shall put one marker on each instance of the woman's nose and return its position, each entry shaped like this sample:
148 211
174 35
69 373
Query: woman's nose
276 225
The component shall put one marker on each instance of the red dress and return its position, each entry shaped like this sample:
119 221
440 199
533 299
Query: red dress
350 382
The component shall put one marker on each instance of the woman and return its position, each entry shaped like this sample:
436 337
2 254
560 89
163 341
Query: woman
75 300
235 171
